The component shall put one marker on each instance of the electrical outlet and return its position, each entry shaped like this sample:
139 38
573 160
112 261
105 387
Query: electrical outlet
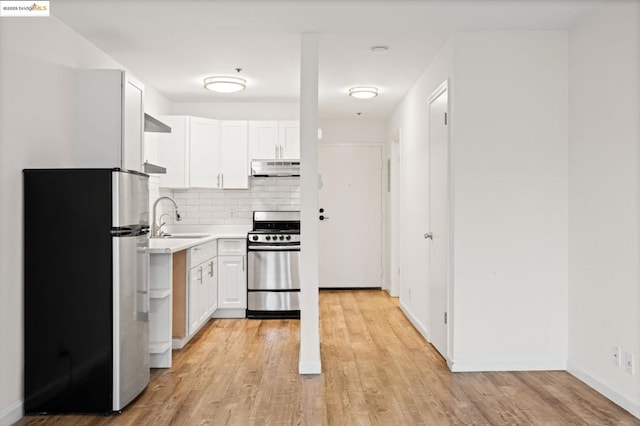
628 363
615 356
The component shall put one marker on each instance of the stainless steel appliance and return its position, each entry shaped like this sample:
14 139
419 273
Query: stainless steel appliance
86 291
273 252
275 168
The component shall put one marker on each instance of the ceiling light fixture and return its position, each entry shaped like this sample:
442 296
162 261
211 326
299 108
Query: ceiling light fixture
225 84
363 92
379 49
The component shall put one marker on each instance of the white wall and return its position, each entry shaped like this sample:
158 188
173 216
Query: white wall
508 103
604 199
411 120
239 110
353 131
37 61
509 152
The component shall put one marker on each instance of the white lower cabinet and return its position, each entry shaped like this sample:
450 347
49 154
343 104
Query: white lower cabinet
203 285
185 293
212 286
233 289
195 312
232 279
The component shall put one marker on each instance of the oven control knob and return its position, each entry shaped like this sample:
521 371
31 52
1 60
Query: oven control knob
268 237
281 237
288 237
254 238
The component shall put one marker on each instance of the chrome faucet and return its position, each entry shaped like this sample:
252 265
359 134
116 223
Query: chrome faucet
155 228
161 233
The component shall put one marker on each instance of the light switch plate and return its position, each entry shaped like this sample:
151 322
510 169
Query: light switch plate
629 366
616 355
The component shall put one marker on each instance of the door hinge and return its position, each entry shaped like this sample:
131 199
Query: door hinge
445 317
445 118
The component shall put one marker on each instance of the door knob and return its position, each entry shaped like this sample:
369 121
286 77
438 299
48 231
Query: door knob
322 217
428 236
321 210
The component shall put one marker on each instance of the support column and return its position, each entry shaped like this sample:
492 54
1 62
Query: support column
309 361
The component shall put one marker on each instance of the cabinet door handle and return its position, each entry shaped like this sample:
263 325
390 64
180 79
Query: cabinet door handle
276 147
242 263
281 150
218 184
211 268
222 180
200 275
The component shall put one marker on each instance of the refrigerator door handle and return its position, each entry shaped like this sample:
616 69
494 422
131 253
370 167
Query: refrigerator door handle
129 230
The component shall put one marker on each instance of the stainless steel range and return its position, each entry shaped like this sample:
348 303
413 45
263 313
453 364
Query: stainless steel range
273 252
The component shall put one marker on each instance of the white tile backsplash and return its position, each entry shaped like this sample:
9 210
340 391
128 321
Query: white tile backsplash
232 206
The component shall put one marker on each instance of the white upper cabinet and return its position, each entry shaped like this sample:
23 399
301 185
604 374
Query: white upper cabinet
133 135
109 120
263 139
289 139
190 153
204 153
274 140
234 172
173 152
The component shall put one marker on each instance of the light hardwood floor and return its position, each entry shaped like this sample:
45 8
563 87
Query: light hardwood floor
377 370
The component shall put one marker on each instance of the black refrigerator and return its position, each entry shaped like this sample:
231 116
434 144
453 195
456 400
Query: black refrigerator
86 289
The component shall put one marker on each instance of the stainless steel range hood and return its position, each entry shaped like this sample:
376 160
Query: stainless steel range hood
275 168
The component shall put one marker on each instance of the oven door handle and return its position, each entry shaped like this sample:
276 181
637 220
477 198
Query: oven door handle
273 248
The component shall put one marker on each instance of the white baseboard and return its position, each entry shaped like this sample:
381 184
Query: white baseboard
621 400
421 328
490 364
11 414
310 368
413 320
516 364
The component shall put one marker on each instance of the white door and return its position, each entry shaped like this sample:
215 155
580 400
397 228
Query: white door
394 181
438 218
350 240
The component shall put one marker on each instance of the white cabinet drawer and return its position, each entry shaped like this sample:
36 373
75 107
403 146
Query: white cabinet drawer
202 252
232 247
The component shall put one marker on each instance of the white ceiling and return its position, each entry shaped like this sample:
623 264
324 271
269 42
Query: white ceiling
173 45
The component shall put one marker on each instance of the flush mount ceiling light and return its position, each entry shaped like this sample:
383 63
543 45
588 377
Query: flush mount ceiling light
363 92
224 84
379 49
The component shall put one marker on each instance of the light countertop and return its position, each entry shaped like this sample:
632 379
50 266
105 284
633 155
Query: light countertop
172 245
